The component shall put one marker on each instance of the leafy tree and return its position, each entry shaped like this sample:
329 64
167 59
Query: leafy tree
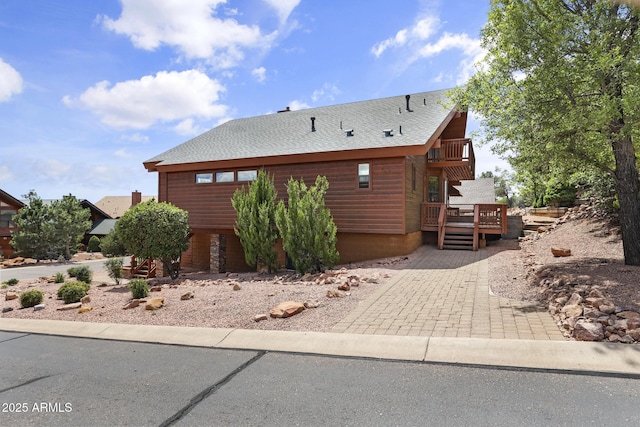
155 230
256 221
110 245
306 226
502 180
559 89
70 222
34 235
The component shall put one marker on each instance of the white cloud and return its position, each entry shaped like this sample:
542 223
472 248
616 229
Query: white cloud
328 92
10 81
260 74
186 127
416 40
123 154
283 7
135 138
165 97
422 30
191 27
298 105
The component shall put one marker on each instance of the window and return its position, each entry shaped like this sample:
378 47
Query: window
434 189
364 178
6 215
250 175
204 178
224 176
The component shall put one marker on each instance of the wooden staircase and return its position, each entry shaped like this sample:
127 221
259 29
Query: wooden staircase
140 268
458 239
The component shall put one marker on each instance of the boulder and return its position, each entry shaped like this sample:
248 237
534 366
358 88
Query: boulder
627 314
237 287
71 306
260 317
7 309
587 331
575 299
155 288
560 252
85 299
344 287
187 295
607 308
286 309
10 296
312 304
39 307
85 309
132 304
572 310
334 294
154 303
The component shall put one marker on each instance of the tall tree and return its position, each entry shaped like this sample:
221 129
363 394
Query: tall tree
33 237
559 86
70 221
306 226
155 230
256 221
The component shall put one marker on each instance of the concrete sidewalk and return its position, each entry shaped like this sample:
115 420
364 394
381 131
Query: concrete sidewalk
445 293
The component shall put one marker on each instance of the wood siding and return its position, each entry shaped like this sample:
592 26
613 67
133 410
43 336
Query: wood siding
456 127
414 197
379 209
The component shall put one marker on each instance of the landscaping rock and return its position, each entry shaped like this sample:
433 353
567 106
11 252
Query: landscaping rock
344 287
572 310
561 252
334 294
236 287
154 303
187 296
7 309
587 331
71 306
155 289
39 307
10 296
132 304
85 299
85 309
286 309
312 304
260 317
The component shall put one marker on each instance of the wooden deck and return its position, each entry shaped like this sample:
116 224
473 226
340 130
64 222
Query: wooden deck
448 221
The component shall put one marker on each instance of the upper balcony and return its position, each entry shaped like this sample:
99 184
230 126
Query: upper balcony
455 156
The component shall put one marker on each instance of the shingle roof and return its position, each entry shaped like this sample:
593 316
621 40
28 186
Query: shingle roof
116 206
102 227
290 132
477 191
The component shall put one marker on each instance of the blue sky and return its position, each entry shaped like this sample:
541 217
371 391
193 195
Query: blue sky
91 89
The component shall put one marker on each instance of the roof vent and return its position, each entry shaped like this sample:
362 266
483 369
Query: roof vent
407 98
387 132
286 110
349 132
313 124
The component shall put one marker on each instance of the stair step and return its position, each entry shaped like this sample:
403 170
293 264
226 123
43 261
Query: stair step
459 247
464 237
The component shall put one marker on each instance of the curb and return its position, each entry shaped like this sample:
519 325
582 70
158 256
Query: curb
592 357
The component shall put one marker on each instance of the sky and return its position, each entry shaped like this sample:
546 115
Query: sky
89 90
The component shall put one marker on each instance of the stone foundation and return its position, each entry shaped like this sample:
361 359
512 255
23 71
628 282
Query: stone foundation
218 253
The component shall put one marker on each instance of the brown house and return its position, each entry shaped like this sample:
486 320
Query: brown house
391 164
9 206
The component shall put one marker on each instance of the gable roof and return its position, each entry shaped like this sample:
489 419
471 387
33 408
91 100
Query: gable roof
473 192
102 227
10 200
290 132
116 206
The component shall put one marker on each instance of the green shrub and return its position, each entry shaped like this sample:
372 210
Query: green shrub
11 282
114 269
82 273
94 244
110 245
73 291
31 298
59 278
139 288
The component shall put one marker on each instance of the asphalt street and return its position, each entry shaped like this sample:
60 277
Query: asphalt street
44 270
63 381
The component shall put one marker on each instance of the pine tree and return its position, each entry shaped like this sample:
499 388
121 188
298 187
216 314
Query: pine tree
256 223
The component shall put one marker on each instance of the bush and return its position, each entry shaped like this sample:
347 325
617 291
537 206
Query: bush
114 268
11 282
82 273
110 245
139 288
31 298
94 244
59 278
73 291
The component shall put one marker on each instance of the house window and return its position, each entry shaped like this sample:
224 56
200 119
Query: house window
6 215
364 178
434 189
224 176
204 178
250 175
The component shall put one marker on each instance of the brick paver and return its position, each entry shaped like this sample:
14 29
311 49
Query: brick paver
445 293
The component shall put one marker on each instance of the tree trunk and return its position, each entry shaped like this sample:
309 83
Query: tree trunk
627 188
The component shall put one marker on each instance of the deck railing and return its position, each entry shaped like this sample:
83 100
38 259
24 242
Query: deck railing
452 150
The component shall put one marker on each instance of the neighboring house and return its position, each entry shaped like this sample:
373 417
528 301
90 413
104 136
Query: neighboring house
116 206
101 222
477 191
391 164
9 206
